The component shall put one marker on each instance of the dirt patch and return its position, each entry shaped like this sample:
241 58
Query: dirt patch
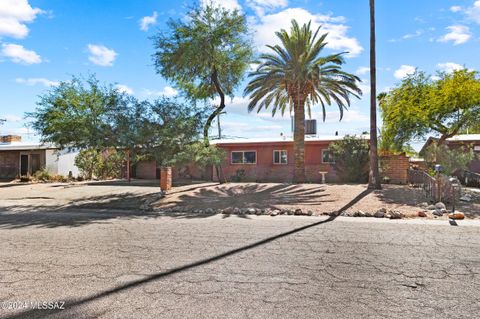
319 198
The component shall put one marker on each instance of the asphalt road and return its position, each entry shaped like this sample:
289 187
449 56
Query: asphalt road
134 266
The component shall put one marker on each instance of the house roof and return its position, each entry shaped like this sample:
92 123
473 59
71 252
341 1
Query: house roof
280 139
464 138
456 138
25 146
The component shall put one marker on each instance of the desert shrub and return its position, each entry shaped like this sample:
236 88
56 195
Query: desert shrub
42 175
239 176
351 159
100 164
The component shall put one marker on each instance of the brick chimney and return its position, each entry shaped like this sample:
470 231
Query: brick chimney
10 138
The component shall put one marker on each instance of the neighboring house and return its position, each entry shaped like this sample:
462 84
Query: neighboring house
19 158
471 141
272 160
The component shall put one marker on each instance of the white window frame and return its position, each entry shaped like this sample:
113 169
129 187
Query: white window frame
243 157
280 157
323 162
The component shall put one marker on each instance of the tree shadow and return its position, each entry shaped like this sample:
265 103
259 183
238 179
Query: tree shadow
401 195
76 213
252 195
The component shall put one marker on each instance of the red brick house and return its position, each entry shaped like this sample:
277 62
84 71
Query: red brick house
272 160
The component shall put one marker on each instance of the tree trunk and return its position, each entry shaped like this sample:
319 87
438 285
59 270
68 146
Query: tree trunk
374 175
218 110
299 141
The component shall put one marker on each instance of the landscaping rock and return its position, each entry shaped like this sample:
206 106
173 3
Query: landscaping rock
258 212
439 212
382 210
275 212
224 211
395 214
422 213
387 215
201 211
379 214
309 213
290 212
360 213
252 211
236 211
244 211
440 206
457 215
209 211
430 207
298 211
368 214
466 198
423 205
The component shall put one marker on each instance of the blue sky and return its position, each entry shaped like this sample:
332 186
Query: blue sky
46 41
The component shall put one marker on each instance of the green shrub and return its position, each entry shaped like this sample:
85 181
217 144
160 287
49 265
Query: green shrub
351 159
451 159
101 164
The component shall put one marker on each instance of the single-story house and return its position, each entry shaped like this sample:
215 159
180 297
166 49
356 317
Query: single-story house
470 141
19 158
272 159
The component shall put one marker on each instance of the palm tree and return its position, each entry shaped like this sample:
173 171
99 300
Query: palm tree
374 175
294 77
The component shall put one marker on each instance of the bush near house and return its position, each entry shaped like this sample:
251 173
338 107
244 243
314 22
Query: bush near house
452 160
101 164
351 159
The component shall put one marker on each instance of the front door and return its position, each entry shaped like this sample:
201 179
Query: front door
23 165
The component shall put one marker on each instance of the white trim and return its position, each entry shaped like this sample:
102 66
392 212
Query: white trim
243 156
280 157
323 162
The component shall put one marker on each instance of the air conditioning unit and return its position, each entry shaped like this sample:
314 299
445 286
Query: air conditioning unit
310 127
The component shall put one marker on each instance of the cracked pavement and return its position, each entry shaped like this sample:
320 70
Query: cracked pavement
343 268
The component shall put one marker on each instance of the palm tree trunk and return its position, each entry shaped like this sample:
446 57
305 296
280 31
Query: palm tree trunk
299 141
374 176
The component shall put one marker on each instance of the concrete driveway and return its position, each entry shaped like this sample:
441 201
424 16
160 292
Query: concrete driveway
111 263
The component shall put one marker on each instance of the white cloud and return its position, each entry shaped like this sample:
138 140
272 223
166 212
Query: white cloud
122 88
227 4
265 26
403 71
148 21
473 12
260 6
18 54
449 67
167 91
362 70
458 34
13 16
455 8
35 81
101 55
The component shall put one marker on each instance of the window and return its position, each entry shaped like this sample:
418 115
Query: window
327 157
476 148
244 157
280 157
